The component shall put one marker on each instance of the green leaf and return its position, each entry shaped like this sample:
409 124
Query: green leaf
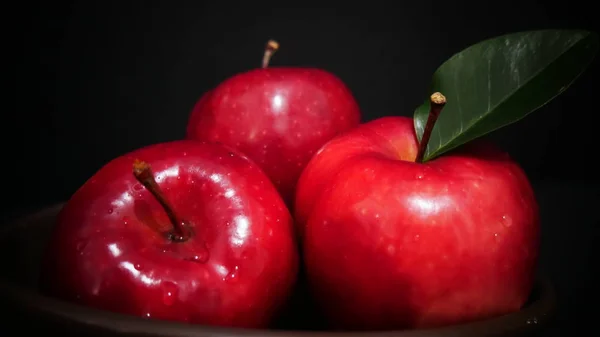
499 81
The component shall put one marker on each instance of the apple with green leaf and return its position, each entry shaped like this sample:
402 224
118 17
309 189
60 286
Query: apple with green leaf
419 223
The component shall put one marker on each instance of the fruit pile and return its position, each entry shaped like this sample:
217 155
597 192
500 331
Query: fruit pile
396 223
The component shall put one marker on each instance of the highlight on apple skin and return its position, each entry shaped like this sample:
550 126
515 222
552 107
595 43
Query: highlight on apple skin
183 231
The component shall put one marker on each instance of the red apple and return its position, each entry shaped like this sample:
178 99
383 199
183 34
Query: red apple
277 116
201 237
394 243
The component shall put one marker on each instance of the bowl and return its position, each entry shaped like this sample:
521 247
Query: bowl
23 241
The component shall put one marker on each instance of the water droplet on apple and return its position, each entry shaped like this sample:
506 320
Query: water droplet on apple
110 211
506 220
496 237
80 245
169 292
416 238
198 258
232 275
231 154
246 255
185 154
138 187
420 176
198 254
126 220
178 177
148 315
138 267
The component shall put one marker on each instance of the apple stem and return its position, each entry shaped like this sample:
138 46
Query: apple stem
270 49
437 102
143 173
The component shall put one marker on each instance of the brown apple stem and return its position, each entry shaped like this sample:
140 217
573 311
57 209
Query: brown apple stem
270 49
143 173
437 102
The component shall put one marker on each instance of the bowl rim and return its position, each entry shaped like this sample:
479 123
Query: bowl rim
538 312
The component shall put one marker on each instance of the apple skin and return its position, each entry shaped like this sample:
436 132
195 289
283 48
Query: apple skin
109 248
393 244
278 116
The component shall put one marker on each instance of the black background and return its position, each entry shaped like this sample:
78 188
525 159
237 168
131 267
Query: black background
95 79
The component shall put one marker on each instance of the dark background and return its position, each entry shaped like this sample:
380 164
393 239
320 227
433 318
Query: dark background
96 79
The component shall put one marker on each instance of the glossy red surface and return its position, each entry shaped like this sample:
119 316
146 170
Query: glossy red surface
279 117
110 250
390 243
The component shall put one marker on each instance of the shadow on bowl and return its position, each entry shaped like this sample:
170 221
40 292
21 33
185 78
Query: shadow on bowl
29 311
